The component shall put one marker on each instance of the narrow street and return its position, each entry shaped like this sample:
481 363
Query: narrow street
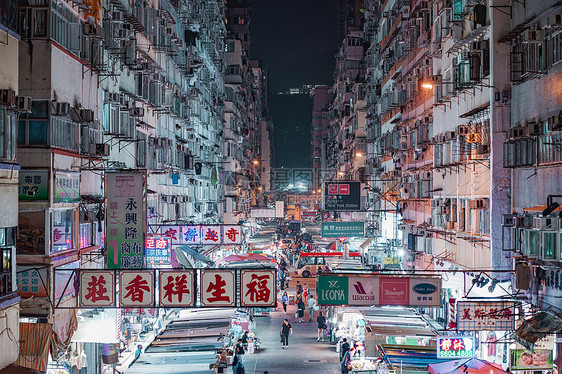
304 355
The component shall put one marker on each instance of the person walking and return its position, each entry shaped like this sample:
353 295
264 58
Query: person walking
237 365
299 288
285 300
286 329
311 308
300 308
239 350
305 293
345 362
344 347
321 320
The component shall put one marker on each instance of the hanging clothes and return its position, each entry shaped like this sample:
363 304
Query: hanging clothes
492 345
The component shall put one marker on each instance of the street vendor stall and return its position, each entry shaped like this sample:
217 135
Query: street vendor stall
466 366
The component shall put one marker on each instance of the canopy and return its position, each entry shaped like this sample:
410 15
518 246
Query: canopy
537 327
248 257
183 250
465 366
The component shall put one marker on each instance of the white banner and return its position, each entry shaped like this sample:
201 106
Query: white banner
263 213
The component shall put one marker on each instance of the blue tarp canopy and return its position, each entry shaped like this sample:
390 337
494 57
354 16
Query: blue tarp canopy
187 250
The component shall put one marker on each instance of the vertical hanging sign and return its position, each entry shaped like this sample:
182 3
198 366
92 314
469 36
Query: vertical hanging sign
125 219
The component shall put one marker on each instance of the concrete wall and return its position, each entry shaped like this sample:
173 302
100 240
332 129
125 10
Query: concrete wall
9 64
9 335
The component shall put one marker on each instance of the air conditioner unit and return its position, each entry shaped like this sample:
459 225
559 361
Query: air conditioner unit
535 128
420 232
170 30
59 108
120 33
435 203
99 149
478 204
516 132
87 115
23 103
556 122
450 225
473 138
555 20
91 29
116 16
402 227
508 220
463 129
523 221
427 175
546 223
464 55
532 36
405 12
450 135
137 112
8 98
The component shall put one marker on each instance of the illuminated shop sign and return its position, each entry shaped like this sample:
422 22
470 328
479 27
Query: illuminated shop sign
455 346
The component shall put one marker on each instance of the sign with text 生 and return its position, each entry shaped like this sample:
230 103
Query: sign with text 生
218 288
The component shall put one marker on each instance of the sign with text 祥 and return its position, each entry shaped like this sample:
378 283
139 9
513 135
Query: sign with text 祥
455 346
339 229
218 288
176 289
125 219
136 288
379 290
97 288
342 196
485 315
256 288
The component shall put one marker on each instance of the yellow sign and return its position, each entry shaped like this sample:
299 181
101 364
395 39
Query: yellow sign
390 261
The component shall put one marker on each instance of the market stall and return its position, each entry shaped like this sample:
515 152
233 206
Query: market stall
466 366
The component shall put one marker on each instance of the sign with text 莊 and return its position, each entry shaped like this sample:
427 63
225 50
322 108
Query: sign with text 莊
342 229
125 219
455 347
485 315
177 288
33 184
67 186
342 196
374 289
256 288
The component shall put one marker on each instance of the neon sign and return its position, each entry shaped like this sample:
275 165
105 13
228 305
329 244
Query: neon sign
455 346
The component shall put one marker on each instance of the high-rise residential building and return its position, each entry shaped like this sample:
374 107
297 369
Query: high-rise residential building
12 103
319 127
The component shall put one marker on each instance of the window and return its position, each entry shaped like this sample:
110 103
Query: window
549 245
61 229
229 47
8 121
6 271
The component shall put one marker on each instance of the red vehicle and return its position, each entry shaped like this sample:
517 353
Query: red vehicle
308 262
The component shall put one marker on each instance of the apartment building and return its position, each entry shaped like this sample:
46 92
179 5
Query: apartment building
319 128
11 105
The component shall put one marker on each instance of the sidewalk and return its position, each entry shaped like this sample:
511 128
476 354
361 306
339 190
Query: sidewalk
304 355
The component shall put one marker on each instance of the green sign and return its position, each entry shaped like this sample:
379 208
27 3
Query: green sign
458 9
34 184
67 186
332 290
338 229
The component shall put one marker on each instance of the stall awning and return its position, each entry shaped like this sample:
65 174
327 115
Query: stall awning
193 253
34 346
366 243
468 366
536 328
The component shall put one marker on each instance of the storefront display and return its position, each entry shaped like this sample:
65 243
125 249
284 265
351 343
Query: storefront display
369 365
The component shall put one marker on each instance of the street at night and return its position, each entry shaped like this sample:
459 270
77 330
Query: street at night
306 186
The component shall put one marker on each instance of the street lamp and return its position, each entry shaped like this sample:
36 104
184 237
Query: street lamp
435 80
358 154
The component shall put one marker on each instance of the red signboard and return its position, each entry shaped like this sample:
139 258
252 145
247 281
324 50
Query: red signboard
394 291
136 288
343 189
332 189
97 288
176 289
258 288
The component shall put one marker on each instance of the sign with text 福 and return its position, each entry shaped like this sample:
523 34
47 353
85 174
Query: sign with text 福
345 229
218 288
342 196
67 186
455 346
33 184
485 315
256 288
176 289
97 288
379 290
125 219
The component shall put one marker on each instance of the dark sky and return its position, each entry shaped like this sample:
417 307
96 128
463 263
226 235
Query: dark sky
296 41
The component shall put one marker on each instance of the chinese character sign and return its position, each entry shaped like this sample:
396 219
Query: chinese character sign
232 234
176 289
32 281
218 288
97 288
157 251
485 315
34 184
455 346
211 235
67 186
125 219
136 288
258 288
190 235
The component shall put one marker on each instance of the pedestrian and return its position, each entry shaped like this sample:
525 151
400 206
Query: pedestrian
311 307
346 362
300 308
299 288
245 339
321 320
138 351
237 365
239 350
305 293
286 329
285 300
344 347
319 271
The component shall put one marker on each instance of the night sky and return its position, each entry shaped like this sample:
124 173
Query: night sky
296 41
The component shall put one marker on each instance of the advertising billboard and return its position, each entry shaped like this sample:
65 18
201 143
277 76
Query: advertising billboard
524 360
345 229
455 347
342 196
485 315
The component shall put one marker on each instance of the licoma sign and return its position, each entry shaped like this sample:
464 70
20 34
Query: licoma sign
379 290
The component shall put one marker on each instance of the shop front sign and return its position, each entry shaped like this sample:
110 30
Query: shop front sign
525 360
263 213
342 229
257 286
202 234
125 219
211 235
33 184
379 290
32 281
455 347
97 288
218 288
136 288
342 196
157 251
176 289
485 315
67 186
232 234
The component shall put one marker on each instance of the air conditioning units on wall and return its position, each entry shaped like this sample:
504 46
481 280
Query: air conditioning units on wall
137 112
7 98
479 204
23 103
546 223
87 115
59 108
